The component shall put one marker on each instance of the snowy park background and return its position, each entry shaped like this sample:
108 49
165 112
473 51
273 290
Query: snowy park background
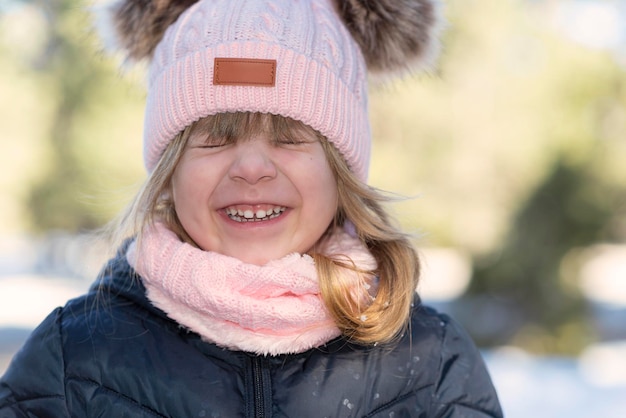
511 153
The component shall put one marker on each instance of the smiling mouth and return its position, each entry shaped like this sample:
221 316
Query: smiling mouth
250 215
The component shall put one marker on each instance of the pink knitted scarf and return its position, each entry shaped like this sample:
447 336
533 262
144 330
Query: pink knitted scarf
270 309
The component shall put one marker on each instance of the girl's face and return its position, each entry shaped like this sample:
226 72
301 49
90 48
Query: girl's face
255 199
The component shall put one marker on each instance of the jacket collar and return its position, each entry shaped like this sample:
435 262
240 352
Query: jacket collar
117 278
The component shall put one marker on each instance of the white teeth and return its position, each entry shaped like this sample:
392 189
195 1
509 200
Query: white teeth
248 215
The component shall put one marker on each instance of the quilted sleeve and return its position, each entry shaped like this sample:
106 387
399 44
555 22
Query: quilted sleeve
33 384
463 388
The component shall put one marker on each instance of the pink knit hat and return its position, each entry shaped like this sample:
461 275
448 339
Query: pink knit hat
304 59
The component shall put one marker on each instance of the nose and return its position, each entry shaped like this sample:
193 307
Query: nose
253 162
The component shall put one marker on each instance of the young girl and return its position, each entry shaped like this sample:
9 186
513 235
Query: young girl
261 276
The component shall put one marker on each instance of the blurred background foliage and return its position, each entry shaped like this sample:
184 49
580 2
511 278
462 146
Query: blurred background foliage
512 152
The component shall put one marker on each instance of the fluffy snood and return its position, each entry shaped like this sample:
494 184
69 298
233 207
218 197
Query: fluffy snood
271 309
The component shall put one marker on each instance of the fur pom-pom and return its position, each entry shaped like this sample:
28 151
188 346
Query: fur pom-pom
394 35
139 25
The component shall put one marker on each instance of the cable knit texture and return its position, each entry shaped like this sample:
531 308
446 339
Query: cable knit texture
320 74
270 309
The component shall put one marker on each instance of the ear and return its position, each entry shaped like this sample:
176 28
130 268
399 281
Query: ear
139 25
394 35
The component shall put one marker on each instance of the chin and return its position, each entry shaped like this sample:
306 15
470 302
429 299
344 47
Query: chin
256 260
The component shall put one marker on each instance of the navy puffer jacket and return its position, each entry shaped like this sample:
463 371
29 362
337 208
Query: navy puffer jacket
112 354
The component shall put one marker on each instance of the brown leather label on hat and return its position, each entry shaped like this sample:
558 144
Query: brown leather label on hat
244 72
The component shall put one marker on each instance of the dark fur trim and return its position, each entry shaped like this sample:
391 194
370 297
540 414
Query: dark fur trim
140 24
393 34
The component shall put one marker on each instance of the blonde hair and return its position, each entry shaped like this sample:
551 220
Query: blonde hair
398 265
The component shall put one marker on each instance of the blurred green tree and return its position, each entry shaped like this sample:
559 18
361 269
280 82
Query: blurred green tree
570 209
71 194
579 201
517 150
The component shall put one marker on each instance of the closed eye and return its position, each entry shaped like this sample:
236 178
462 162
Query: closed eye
292 141
212 143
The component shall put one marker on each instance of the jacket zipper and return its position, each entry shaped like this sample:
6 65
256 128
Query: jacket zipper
261 389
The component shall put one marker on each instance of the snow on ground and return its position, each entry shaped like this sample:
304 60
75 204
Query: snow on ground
26 300
552 387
